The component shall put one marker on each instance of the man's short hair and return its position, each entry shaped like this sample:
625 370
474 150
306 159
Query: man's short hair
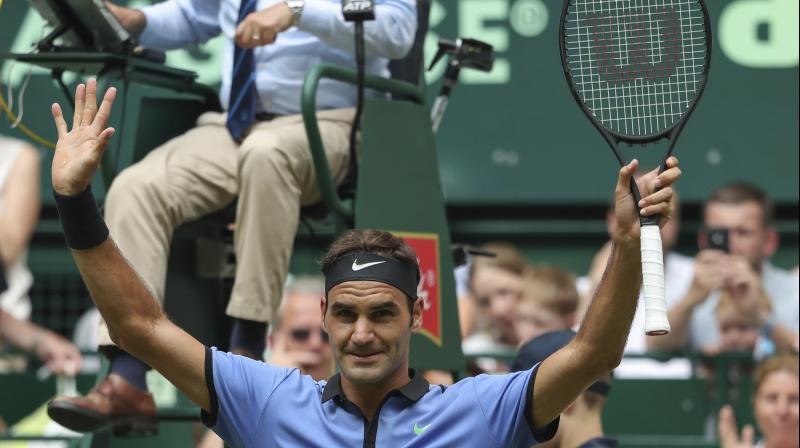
552 288
737 193
378 242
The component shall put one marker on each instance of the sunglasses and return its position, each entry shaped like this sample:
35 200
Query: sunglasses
303 334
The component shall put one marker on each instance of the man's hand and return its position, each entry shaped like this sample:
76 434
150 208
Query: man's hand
262 27
728 435
653 202
133 20
711 269
79 151
744 286
58 354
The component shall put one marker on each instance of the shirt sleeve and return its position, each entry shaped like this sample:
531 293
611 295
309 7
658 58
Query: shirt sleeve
390 35
505 403
238 389
180 23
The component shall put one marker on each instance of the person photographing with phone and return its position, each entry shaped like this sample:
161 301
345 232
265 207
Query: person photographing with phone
736 243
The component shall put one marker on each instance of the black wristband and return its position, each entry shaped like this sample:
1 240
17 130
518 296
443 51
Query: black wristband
81 221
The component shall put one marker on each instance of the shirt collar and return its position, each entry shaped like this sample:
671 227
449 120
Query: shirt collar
415 389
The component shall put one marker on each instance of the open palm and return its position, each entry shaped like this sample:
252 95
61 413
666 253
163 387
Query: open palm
79 151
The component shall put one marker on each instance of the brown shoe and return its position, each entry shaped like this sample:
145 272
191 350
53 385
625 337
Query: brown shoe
113 404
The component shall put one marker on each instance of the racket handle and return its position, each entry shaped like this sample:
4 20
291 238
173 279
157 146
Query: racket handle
655 301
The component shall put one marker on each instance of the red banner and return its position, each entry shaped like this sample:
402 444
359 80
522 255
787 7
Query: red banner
426 245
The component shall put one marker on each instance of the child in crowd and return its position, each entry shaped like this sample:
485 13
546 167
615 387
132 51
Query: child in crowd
549 302
750 327
495 285
738 330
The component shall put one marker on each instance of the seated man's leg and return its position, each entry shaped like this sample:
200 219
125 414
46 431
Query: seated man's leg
187 177
277 177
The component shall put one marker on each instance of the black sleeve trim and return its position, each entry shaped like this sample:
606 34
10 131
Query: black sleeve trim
210 418
546 432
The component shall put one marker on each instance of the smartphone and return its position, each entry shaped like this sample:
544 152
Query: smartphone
717 238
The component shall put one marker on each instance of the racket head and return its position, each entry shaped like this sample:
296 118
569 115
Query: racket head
637 68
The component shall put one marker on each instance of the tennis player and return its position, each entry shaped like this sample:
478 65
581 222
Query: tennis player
370 309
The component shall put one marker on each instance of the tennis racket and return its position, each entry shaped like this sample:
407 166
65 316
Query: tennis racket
637 69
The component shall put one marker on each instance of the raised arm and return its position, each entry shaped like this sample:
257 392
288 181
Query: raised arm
135 320
598 346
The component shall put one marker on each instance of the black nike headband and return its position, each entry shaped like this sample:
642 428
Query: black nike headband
365 266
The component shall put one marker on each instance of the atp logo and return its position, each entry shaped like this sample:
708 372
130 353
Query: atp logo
356 6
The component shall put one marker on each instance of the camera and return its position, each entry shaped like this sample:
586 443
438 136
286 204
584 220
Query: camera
717 238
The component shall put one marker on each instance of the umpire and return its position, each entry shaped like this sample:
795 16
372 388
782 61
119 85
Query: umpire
370 309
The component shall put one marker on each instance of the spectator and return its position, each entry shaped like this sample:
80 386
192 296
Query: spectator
746 213
548 303
581 422
19 211
738 331
495 285
740 328
776 404
298 338
258 151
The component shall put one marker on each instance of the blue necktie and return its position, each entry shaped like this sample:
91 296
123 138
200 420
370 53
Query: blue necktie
242 101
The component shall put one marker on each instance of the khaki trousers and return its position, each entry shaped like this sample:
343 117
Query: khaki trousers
203 171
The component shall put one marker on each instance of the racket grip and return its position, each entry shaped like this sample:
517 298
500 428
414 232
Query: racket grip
655 301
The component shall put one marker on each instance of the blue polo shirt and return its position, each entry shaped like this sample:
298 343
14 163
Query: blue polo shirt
254 404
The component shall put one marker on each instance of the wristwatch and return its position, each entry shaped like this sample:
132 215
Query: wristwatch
296 6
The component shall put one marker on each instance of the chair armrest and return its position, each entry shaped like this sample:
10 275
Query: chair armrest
325 182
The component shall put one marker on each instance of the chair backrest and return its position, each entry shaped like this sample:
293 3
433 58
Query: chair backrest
407 199
410 68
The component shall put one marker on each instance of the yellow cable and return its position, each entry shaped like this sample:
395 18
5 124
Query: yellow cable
24 129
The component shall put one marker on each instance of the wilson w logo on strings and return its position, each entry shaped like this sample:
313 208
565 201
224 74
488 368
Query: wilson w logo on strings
644 44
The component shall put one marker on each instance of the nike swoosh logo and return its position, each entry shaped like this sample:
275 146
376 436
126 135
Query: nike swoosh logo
420 429
358 267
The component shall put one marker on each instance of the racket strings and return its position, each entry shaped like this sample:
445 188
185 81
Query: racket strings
636 64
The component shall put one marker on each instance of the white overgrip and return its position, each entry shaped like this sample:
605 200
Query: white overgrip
655 301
